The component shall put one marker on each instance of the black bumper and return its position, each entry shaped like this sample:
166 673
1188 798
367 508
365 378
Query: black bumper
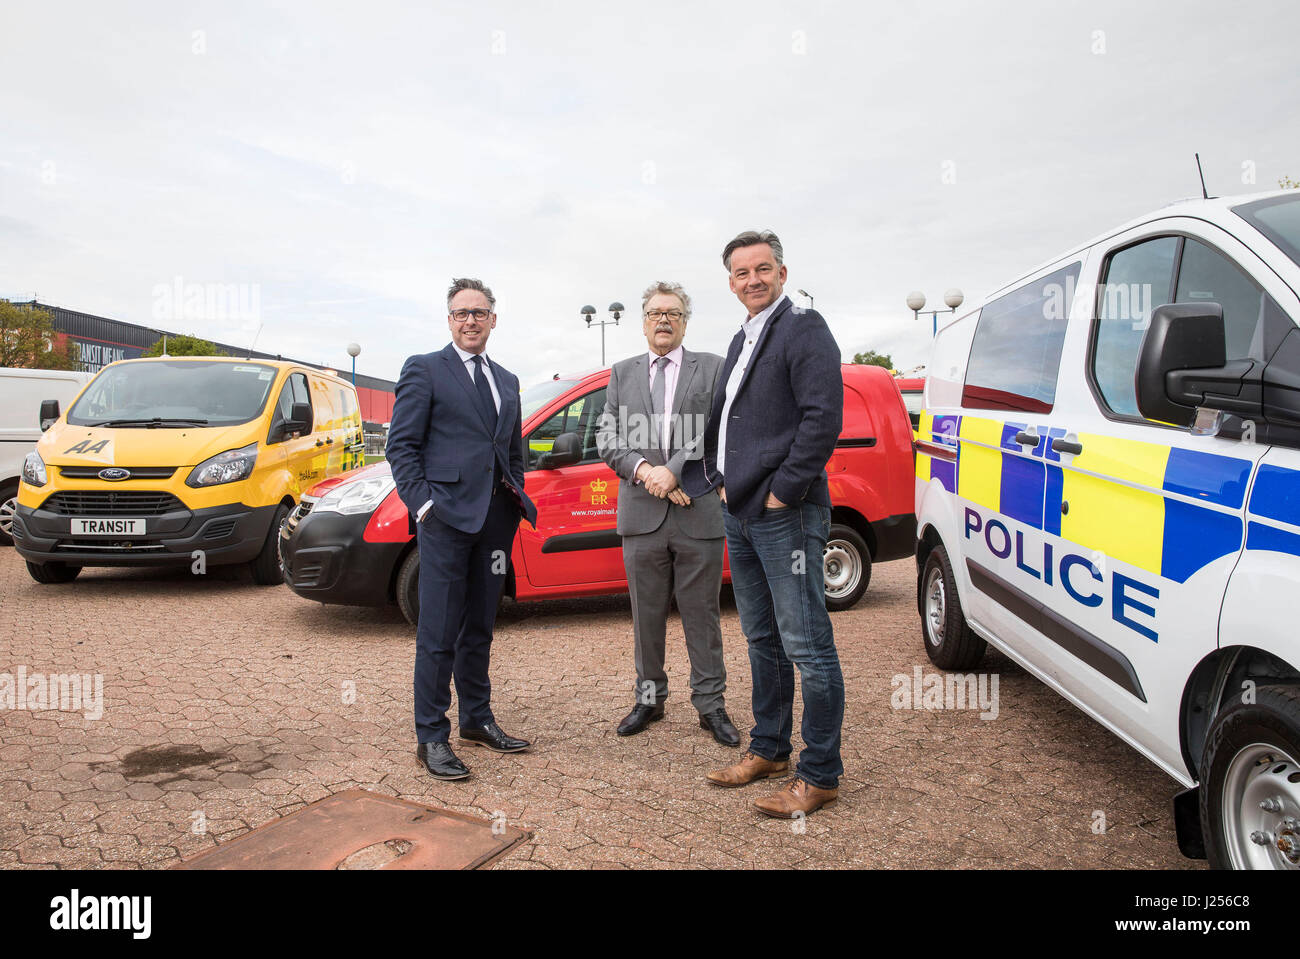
225 534
895 537
327 559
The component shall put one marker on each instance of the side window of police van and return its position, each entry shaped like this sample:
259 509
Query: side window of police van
1207 276
1135 281
1016 352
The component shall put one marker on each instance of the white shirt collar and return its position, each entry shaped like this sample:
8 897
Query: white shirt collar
756 323
466 357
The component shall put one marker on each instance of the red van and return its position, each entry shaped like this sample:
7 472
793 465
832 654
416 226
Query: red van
352 541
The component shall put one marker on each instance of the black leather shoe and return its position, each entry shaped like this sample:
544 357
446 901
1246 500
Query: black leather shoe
639 718
440 761
491 736
719 723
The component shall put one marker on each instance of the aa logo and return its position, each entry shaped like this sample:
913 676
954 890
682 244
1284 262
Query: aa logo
86 448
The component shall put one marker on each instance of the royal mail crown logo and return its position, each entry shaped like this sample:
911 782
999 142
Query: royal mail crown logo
598 485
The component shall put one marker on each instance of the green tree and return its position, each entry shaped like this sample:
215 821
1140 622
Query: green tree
28 339
180 345
872 358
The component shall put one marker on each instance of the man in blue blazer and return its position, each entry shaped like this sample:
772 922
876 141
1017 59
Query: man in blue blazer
456 450
775 420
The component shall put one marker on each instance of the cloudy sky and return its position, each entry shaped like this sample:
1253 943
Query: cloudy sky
337 164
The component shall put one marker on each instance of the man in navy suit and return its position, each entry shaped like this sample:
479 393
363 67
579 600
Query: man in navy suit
774 424
457 454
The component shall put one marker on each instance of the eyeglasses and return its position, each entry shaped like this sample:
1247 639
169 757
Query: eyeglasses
460 316
656 315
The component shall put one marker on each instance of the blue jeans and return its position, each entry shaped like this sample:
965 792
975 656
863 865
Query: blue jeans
776 572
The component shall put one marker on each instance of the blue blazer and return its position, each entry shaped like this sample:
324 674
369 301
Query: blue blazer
785 419
439 445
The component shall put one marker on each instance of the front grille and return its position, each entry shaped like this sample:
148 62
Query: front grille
112 503
137 472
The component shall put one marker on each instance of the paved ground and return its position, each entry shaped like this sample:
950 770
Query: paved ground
227 705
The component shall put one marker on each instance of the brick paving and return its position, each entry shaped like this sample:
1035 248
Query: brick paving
227 705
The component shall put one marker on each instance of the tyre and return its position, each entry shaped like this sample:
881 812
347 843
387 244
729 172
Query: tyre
266 567
52 572
1250 783
846 563
408 587
949 641
8 505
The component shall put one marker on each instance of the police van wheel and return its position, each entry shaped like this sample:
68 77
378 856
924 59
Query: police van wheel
1250 783
846 563
52 572
266 568
949 641
408 587
8 506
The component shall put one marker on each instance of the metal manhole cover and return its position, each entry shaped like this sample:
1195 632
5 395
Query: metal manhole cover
364 830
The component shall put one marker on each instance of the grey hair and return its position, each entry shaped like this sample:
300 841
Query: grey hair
752 238
675 289
466 283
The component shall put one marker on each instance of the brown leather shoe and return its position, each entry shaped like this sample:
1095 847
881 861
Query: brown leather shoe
798 797
749 768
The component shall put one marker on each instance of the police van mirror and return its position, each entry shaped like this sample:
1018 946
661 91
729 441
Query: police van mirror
566 451
1184 350
49 413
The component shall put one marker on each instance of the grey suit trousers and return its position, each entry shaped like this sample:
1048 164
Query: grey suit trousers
661 564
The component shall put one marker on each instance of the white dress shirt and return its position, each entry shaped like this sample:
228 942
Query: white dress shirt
753 328
670 373
470 367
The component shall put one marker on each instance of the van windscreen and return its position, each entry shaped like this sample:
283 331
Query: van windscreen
174 394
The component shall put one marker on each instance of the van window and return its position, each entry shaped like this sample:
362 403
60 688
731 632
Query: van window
294 391
1137 280
581 417
174 393
1016 353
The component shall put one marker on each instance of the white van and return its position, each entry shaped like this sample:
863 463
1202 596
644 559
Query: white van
21 394
1108 491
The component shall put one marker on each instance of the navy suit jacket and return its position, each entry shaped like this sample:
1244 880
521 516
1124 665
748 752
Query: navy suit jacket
784 421
439 444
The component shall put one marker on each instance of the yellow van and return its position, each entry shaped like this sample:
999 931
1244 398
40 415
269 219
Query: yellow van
187 461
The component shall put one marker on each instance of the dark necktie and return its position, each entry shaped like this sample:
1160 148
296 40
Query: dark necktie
485 393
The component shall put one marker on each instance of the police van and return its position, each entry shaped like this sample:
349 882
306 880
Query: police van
1108 492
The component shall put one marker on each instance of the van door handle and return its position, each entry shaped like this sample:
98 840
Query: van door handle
319 443
1062 445
1027 439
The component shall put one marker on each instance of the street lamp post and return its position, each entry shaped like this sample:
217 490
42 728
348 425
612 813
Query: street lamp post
952 298
354 350
811 303
616 310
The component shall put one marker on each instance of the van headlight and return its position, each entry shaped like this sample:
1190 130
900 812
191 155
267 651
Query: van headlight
360 496
34 470
228 467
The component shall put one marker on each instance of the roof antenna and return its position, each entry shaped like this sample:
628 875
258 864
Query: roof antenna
1204 194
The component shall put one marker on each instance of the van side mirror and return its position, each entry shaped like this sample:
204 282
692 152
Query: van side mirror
1183 365
299 420
49 413
565 451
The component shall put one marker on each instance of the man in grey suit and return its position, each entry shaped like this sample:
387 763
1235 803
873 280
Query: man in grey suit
656 407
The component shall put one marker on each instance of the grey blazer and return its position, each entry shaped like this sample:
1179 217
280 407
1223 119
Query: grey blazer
624 437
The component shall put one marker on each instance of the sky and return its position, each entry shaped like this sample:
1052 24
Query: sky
304 176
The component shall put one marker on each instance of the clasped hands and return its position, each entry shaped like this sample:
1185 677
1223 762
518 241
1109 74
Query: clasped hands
659 481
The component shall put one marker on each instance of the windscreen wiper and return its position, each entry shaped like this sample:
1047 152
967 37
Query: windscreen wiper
152 422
